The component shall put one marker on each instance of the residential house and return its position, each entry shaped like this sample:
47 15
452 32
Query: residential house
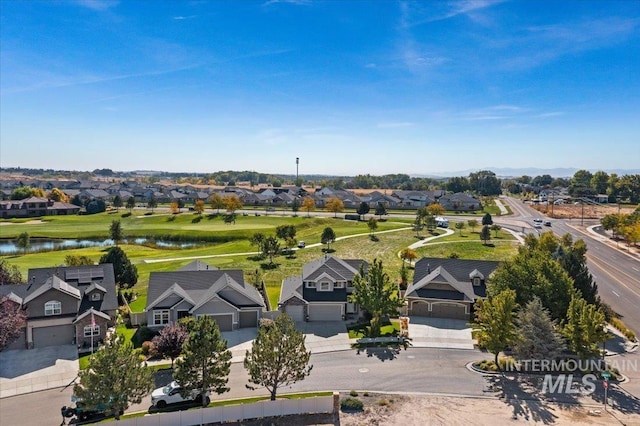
448 288
199 289
320 293
460 201
413 199
35 207
66 305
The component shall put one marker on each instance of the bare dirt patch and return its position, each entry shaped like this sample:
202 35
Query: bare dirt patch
569 211
420 410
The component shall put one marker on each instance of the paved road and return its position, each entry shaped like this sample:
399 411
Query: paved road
415 370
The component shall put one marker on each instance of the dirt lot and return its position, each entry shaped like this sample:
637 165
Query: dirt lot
567 211
414 410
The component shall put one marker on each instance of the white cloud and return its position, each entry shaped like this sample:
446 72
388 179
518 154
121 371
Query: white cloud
98 5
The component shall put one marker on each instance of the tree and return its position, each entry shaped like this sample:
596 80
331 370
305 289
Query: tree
116 377
57 195
21 193
232 203
270 248
435 209
374 293
126 274
278 356
206 361
487 220
495 322
308 205
131 203
170 341
257 239
71 260
372 223
115 231
418 226
174 207
230 218
538 337
9 274
334 205
485 234
286 231
408 255
496 228
584 327
23 241
460 226
381 210
117 202
13 319
216 202
152 203
295 206
472 223
328 237
363 209
198 207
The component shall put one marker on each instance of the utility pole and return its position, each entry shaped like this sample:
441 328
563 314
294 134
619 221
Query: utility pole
297 162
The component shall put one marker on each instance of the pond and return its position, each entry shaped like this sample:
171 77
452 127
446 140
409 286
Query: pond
8 246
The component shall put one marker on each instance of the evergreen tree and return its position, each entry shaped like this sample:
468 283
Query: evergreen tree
115 231
278 356
206 361
115 379
485 234
126 274
538 337
381 210
487 220
328 237
363 209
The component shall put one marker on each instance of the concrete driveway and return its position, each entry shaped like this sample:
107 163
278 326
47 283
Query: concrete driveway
25 371
325 336
440 333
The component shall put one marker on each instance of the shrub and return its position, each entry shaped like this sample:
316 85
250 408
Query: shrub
353 393
351 404
146 348
365 394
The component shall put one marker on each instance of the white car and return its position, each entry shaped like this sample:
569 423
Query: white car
170 394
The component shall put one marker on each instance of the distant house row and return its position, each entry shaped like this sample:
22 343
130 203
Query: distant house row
34 207
77 305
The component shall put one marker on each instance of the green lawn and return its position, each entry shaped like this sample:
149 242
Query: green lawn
234 250
361 330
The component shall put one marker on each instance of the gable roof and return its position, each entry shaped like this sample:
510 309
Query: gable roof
334 267
53 283
94 312
457 273
199 286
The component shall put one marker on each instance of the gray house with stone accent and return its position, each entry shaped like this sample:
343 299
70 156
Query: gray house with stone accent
320 292
199 289
66 305
448 288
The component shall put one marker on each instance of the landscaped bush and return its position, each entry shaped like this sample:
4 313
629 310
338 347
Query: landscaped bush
351 404
146 348
619 325
353 393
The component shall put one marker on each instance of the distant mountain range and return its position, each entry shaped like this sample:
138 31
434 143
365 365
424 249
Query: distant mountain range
530 171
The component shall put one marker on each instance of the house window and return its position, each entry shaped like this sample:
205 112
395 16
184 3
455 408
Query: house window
95 296
338 285
325 286
90 330
161 317
53 307
311 284
476 280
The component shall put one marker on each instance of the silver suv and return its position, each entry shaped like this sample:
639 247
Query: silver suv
170 394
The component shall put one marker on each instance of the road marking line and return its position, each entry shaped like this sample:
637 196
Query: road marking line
615 293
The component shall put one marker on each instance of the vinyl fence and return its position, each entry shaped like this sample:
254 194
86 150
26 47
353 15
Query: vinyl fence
230 413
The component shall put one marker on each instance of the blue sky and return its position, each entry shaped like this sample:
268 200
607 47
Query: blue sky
349 87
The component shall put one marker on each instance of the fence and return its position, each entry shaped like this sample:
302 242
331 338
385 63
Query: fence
231 413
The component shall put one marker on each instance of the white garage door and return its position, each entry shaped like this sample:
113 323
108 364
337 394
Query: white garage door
325 312
296 312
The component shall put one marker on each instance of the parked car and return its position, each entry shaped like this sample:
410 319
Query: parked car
82 412
547 223
537 220
170 394
301 244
